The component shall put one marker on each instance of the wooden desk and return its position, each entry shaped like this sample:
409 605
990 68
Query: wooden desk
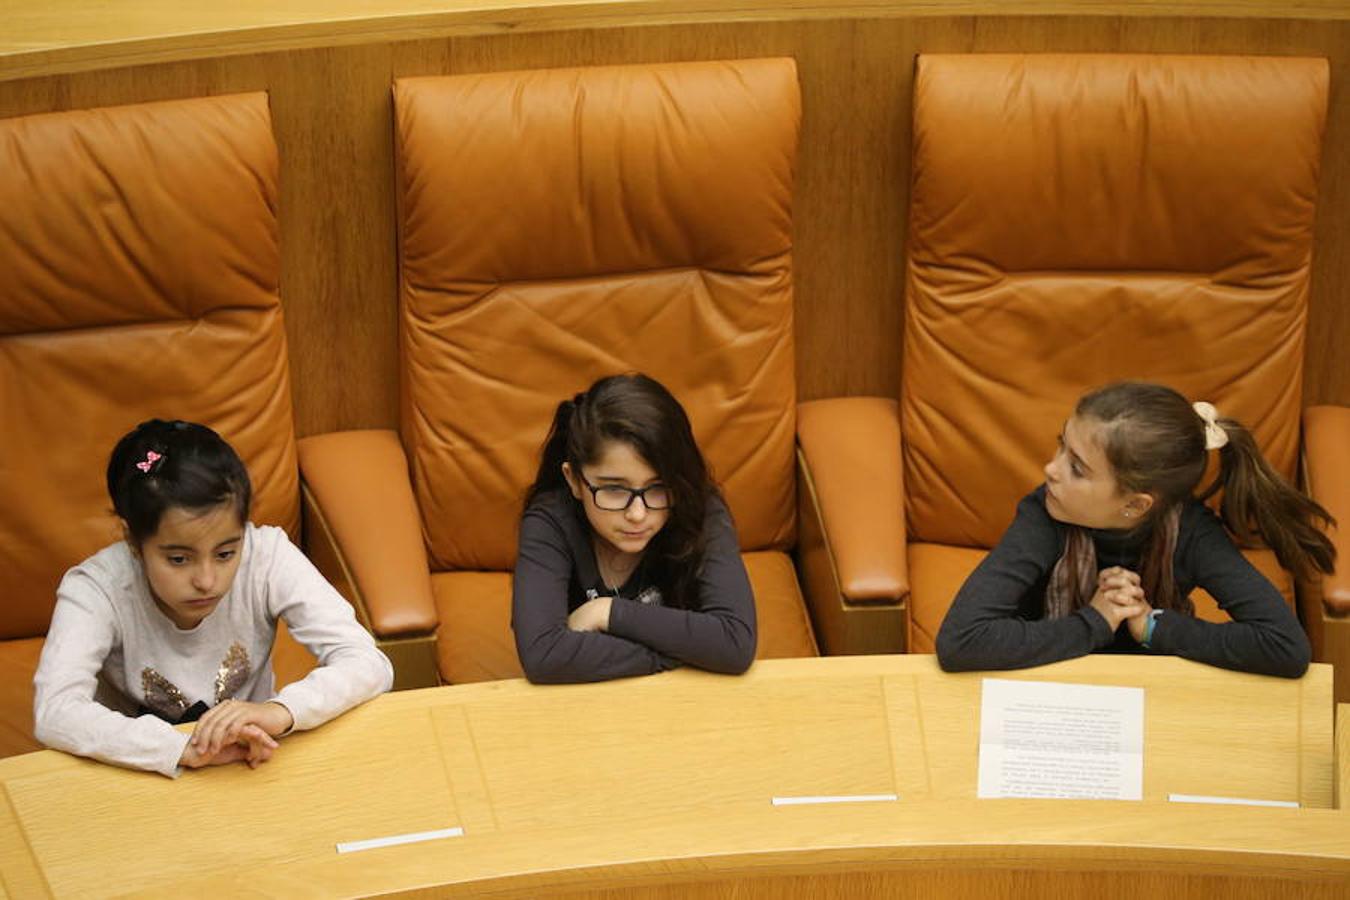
662 786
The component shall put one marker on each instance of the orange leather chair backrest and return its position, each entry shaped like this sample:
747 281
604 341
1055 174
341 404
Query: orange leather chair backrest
1081 219
545 241
139 247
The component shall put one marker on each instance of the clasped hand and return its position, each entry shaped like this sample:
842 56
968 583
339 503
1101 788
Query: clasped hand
236 731
1120 598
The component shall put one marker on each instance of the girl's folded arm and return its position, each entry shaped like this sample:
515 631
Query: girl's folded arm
351 668
1264 635
550 652
982 629
720 636
66 715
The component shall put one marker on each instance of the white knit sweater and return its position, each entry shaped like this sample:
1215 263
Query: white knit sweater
110 652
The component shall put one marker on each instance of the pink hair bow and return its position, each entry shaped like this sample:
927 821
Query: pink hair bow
150 458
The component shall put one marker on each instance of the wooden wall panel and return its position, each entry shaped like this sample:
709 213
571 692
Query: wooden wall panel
334 125
332 119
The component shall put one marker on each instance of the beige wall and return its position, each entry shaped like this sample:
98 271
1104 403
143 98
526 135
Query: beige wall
332 120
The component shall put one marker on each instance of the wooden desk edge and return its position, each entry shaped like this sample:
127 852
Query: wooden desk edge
1341 796
622 857
39 51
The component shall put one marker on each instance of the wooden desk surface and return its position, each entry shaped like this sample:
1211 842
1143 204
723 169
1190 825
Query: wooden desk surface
667 779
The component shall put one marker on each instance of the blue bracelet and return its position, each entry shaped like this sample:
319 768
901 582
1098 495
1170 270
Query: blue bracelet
1148 632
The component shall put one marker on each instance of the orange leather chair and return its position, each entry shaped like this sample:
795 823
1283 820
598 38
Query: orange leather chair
1076 220
140 258
556 226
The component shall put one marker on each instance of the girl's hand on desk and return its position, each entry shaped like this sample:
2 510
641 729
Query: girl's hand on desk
254 747
223 724
1119 597
593 615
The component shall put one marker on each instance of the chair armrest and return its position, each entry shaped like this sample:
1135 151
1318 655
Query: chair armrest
359 502
851 509
1326 452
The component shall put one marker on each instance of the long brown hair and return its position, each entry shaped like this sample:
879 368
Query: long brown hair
1155 442
638 410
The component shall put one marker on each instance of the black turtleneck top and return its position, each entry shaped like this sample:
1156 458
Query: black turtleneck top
997 620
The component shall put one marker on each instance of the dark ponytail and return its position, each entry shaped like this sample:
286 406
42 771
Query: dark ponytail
160 465
554 452
1259 506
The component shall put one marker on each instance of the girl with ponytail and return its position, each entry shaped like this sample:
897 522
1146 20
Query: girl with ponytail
1104 555
628 562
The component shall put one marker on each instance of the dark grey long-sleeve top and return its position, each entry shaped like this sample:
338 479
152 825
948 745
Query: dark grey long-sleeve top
997 620
556 572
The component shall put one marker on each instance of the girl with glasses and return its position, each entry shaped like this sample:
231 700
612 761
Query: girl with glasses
628 561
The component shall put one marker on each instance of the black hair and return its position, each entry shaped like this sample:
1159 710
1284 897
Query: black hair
160 465
640 412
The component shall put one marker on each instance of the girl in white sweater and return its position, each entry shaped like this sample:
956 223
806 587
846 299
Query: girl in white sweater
176 623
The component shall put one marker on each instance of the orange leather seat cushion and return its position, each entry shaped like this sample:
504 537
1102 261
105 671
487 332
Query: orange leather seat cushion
474 640
475 643
936 573
18 662
784 627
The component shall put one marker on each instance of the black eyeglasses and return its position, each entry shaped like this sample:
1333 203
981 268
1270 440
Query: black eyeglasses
614 497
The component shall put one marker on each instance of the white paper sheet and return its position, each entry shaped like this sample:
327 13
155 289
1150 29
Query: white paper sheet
1072 741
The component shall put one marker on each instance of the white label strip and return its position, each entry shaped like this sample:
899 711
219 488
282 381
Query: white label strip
840 798
393 839
1238 801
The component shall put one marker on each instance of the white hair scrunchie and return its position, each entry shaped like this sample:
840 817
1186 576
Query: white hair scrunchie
1215 436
